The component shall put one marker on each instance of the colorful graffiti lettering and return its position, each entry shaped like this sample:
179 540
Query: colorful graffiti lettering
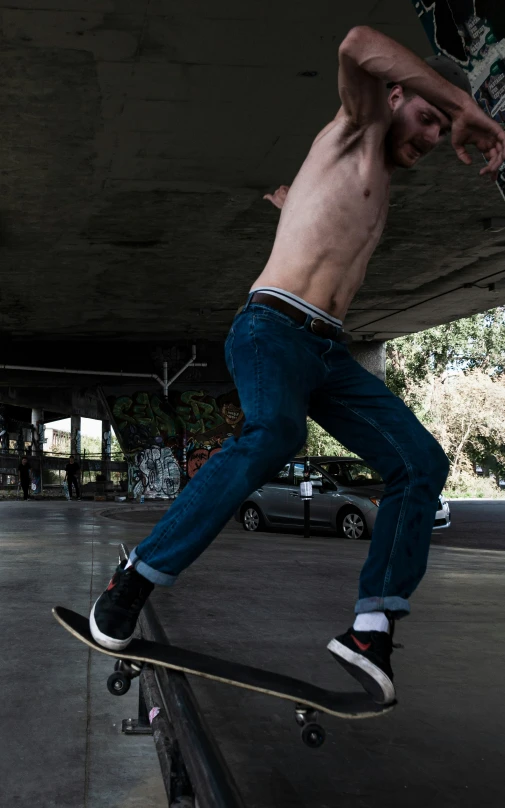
141 419
197 414
193 425
198 457
154 472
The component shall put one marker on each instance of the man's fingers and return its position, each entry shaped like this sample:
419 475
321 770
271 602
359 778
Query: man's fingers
463 155
492 158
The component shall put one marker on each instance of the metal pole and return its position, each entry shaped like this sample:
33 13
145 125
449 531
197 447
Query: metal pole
306 502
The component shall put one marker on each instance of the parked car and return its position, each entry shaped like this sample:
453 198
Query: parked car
346 495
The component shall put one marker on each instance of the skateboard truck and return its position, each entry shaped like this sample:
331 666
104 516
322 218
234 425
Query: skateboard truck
313 734
120 681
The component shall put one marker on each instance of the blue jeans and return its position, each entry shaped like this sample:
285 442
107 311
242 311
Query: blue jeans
283 371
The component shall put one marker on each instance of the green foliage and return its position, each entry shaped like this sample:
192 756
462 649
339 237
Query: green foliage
472 485
93 447
320 442
476 342
453 377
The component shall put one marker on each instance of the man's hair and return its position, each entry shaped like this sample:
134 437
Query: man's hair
72 457
449 70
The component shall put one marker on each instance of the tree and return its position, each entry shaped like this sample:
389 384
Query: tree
320 442
465 412
476 342
93 446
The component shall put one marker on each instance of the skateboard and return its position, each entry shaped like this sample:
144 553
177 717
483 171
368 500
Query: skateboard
65 490
309 699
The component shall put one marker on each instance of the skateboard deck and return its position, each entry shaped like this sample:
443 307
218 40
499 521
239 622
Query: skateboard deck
65 490
303 694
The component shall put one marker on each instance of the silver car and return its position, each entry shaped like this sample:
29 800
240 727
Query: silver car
346 495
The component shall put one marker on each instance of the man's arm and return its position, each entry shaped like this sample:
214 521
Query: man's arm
366 51
361 93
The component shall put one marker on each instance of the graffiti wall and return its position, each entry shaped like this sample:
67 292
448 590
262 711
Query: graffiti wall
472 33
166 442
154 472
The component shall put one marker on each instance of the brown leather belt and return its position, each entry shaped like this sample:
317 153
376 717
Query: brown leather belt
317 325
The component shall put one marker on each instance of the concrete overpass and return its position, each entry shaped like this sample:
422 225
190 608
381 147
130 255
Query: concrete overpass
137 143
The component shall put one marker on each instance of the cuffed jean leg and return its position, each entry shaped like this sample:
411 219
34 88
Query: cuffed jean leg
266 356
358 410
207 503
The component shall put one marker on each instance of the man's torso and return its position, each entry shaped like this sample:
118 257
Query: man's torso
333 218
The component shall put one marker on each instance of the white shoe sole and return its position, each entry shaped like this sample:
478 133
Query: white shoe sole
357 660
103 639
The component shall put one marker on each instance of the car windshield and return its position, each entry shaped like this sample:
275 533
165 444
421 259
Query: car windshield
353 473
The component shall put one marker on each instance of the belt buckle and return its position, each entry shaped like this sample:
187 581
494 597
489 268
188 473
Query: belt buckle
316 320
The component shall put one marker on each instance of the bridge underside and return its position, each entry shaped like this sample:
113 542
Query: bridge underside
137 143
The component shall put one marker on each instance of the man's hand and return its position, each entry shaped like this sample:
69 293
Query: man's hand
278 197
472 125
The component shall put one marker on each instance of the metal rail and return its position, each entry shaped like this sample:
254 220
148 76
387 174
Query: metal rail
183 732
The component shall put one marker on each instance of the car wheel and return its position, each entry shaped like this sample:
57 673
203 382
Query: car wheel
351 524
252 518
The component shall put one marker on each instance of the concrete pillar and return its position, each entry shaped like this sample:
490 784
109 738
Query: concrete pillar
4 433
38 435
106 448
37 431
75 435
371 355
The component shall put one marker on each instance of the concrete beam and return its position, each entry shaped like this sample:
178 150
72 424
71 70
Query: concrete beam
65 401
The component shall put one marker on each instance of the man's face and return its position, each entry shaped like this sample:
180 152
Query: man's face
416 128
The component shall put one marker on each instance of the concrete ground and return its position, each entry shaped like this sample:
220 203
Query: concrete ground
268 600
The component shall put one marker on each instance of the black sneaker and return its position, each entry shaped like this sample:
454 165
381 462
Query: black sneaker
366 656
114 616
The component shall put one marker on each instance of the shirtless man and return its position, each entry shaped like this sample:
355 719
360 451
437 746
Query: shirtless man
286 353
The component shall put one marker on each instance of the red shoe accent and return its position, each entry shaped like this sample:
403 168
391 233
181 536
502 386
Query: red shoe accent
112 584
363 646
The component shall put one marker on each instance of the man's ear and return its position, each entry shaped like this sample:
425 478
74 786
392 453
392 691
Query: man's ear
395 97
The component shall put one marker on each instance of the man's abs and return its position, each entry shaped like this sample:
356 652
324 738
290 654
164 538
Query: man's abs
330 224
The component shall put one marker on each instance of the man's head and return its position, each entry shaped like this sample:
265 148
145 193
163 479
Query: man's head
24 460
71 459
417 126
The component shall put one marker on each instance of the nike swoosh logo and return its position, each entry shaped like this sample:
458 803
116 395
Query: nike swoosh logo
363 646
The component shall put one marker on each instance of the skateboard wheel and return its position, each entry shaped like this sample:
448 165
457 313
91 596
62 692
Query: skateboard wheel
118 684
313 736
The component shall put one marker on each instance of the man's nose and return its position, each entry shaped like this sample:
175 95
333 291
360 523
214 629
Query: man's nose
432 135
